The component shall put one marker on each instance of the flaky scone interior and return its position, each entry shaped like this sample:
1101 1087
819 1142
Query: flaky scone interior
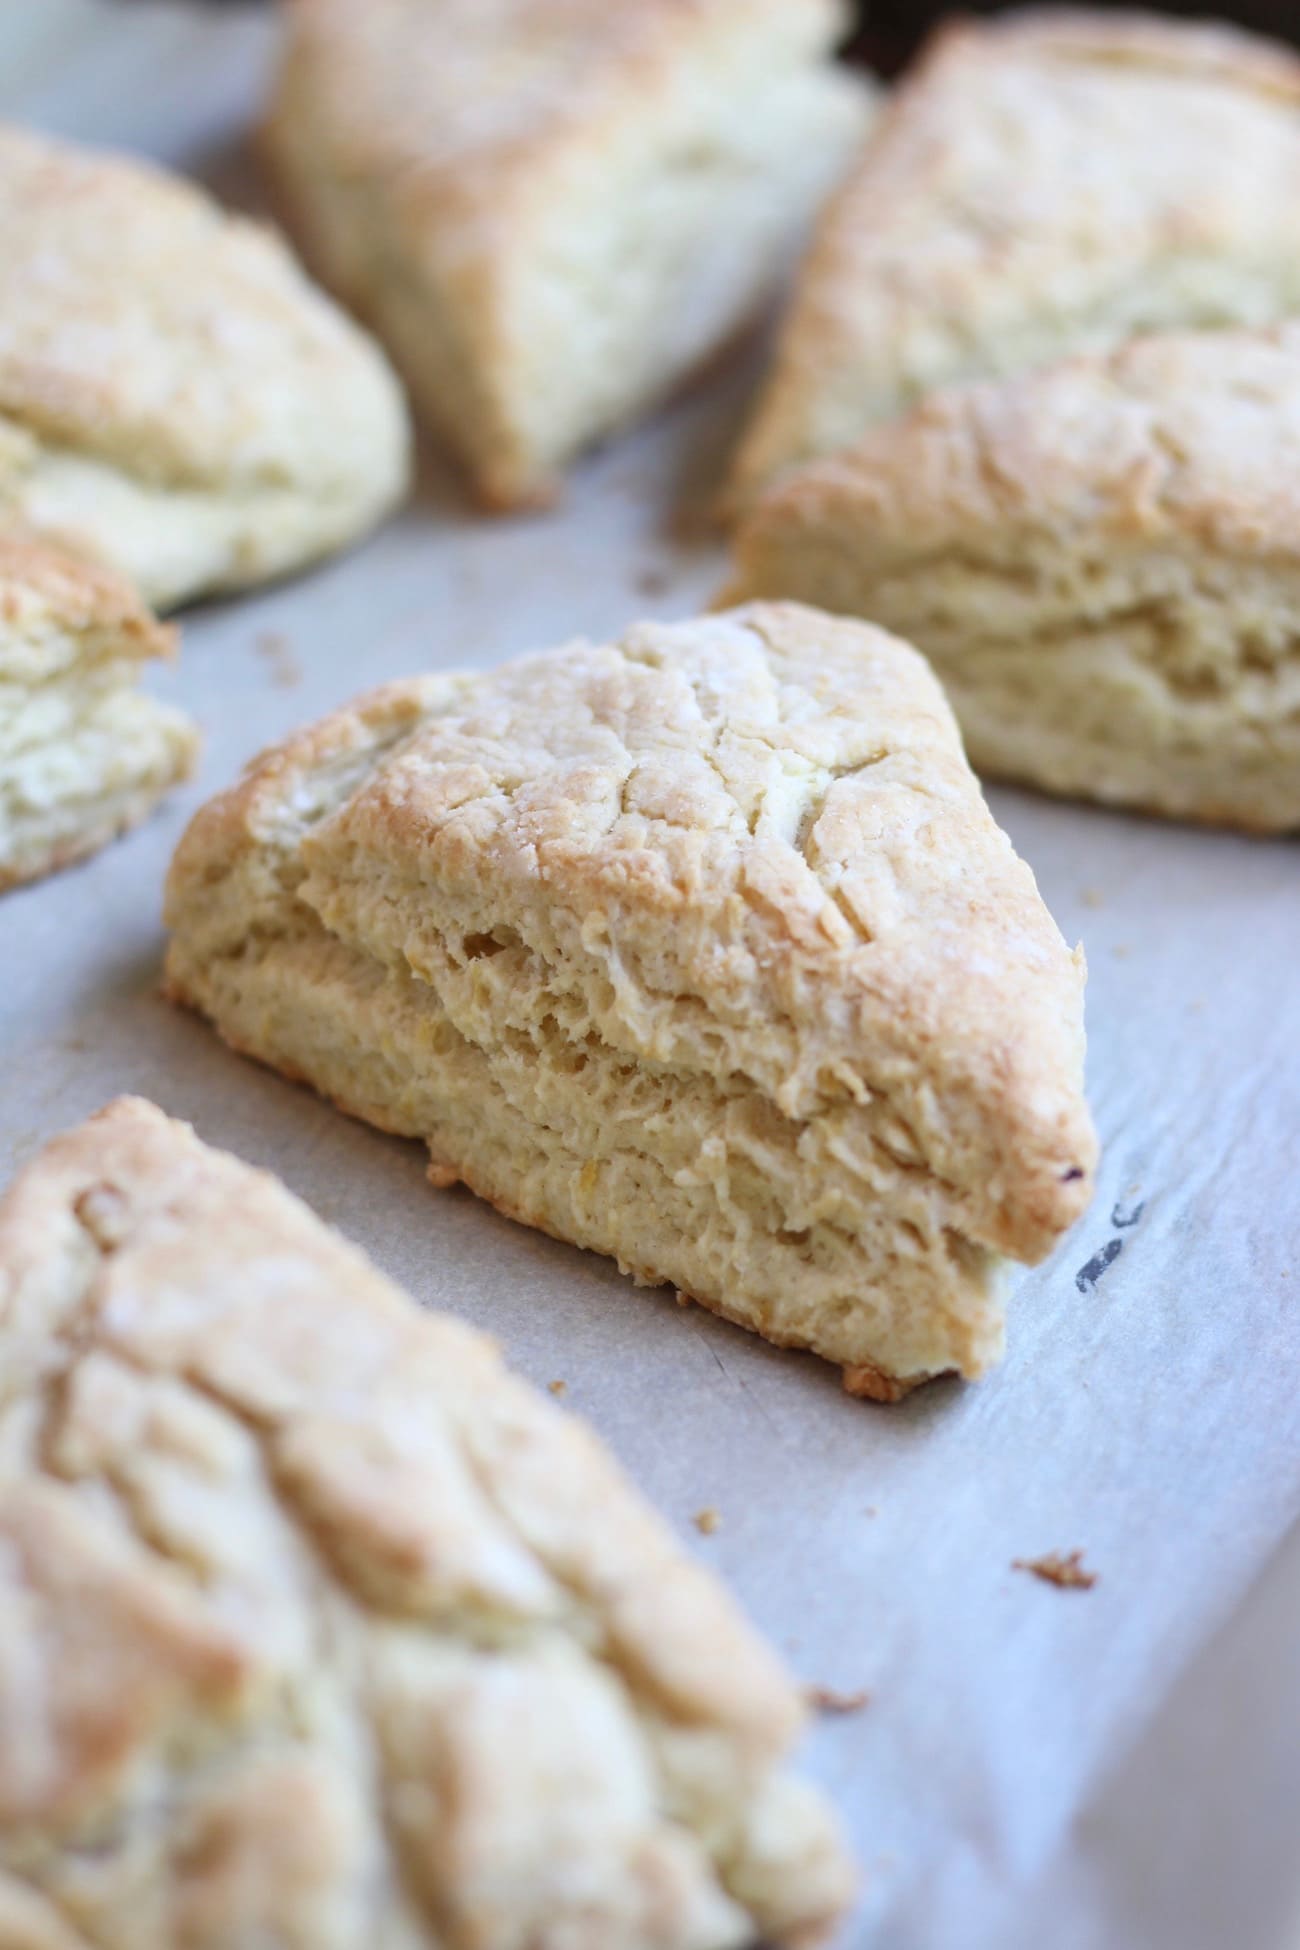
84 753
700 948
318 1628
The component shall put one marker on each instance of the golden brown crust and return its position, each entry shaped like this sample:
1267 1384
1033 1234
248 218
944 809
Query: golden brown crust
1039 184
1189 440
734 872
869 1384
44 586
276 1543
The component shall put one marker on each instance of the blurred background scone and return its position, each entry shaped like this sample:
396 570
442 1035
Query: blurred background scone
84 753
176 399
318 1628
553 209
1040 184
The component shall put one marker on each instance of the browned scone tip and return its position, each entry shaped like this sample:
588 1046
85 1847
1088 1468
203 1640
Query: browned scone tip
316 1625
39 579
700 948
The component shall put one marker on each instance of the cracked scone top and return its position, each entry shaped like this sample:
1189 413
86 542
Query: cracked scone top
175 397
319 1628
1101 560
1044 183
700 948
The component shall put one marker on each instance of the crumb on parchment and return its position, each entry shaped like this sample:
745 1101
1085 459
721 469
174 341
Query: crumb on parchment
1062 1568
275 647
558 1388
708 1520
828 1699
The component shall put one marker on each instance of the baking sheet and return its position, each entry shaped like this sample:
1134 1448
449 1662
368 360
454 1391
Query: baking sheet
1107 1769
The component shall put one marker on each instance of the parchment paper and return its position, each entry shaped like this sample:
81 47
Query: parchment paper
1107 1769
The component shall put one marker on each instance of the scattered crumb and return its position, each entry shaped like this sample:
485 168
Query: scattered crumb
286 671
870 1510
706 1521
825 1699
652 580
558 1387
1093 897
1063 1568
1121 951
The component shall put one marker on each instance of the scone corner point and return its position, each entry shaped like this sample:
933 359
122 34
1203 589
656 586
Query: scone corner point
329 1628
700 948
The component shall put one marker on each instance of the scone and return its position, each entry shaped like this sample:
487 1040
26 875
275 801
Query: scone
552 209
84 753
1042 184
175 398
318 1628
700 948
1101 561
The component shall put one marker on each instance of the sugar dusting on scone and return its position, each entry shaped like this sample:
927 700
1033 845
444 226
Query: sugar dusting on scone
700 948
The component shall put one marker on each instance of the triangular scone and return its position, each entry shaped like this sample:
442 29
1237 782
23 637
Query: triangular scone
1101 560
1042 184
319 1628
700 948
175 398
84 753
552 209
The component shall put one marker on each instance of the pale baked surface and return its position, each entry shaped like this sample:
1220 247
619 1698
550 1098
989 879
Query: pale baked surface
175 398
84 754
552 209
1041 184
319 1628
1101 560
699 948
